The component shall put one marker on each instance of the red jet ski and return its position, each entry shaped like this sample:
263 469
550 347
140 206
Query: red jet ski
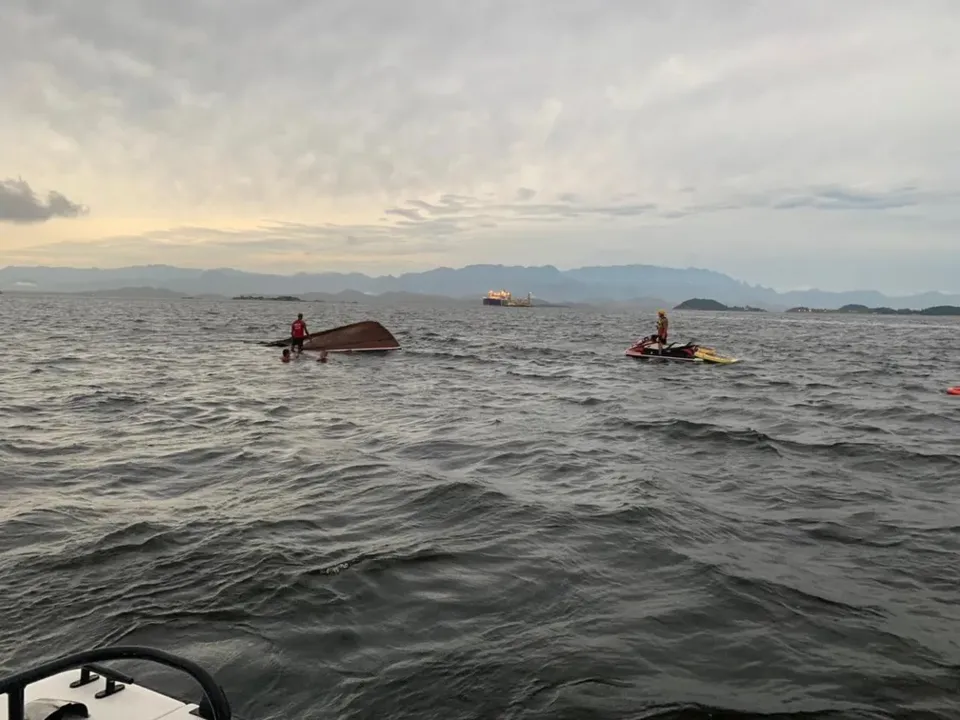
647 349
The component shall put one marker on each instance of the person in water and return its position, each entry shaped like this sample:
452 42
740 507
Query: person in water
298 331
286 357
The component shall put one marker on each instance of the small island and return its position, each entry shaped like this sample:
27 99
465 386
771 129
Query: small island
276 298
714 306
936 311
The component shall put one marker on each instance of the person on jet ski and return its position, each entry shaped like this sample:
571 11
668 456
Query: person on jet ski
663 326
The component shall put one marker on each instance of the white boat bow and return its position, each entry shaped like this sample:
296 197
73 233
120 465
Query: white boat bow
78 686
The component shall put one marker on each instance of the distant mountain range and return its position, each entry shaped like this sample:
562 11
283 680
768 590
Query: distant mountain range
643 285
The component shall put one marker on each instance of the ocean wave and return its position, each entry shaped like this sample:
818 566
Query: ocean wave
506 519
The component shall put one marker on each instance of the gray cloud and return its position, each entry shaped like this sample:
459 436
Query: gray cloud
404 213
20 204
473 211
553 131
837 198
332 98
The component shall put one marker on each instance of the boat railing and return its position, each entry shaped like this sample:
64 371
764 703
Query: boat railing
216 707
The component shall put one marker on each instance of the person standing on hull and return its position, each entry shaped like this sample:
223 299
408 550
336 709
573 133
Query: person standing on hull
298 332
663 327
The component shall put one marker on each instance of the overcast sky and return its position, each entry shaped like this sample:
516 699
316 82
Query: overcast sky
795 143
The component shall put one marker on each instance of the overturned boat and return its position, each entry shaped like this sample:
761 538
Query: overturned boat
78 686
366 336
647 349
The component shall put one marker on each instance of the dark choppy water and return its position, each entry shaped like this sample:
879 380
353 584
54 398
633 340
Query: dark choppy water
506 520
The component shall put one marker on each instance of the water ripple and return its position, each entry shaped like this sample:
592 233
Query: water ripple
507 519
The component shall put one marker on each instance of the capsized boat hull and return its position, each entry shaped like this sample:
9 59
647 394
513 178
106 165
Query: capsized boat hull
672 352
368 336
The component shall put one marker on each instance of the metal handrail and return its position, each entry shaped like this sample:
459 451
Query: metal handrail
13 685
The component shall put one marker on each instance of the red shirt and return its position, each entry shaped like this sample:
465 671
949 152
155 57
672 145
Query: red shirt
298 329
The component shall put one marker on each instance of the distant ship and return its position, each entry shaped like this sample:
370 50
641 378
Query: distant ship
505 299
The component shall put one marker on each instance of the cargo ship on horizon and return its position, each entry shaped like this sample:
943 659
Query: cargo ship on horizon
504 298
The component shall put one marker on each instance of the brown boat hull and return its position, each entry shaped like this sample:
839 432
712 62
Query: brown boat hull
366 336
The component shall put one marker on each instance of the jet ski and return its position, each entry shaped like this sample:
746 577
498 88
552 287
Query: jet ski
646 349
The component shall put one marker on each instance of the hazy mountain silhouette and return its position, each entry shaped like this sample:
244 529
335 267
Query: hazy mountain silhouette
599 284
